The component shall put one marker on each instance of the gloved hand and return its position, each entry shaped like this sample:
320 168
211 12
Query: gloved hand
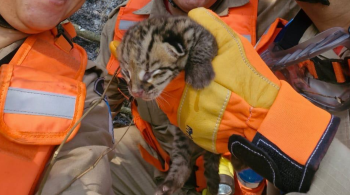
272 129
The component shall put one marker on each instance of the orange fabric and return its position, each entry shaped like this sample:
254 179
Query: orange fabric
146 132
338 72
21 166
69 28
267 38
170 106
243 19
62 43
310 66
26 146
290 125
238 118
200 179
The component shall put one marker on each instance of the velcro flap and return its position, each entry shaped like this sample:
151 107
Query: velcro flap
38 108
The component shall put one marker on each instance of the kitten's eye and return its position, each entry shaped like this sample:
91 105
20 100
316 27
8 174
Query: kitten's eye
157 73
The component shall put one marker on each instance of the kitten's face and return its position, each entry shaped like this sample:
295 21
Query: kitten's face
156 50
148 73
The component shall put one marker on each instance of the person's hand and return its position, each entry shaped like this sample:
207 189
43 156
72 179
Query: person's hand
272 129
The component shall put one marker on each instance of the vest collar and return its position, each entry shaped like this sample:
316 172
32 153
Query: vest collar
157 6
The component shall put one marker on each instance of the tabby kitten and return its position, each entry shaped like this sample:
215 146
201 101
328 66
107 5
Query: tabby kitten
151 54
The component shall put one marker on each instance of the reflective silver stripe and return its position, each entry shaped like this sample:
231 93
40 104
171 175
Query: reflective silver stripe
248 37
33 102
125 24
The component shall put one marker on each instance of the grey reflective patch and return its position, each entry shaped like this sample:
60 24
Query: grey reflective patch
126 24
33 102
248 37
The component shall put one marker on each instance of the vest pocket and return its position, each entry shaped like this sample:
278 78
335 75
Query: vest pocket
36 107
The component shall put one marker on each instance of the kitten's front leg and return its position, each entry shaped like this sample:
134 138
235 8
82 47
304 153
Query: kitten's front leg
199 70
181 165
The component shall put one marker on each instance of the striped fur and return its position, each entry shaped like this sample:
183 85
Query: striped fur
154 51
151 54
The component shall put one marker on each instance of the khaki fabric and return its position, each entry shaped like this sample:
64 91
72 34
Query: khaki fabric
333 175
140 178
8 49
269 10
82 151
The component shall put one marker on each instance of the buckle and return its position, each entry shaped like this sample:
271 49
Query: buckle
63 39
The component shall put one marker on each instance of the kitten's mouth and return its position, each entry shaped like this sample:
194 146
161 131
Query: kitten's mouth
147 99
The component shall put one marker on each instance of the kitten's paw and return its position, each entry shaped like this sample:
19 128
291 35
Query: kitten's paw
200 76
166 188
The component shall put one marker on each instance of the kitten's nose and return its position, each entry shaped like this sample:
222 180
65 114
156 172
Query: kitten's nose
137 94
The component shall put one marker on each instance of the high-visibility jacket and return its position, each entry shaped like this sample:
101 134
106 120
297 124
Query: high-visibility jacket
42 96
242 19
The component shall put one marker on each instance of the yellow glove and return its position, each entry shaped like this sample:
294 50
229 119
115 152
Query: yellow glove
246 110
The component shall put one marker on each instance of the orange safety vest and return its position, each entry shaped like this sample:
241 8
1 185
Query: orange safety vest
242 19
42 97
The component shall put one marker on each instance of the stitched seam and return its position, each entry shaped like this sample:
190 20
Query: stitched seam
25 52
273 171
40 113
213 139
181 105
250 114
242 55
307 164
298 166
12 89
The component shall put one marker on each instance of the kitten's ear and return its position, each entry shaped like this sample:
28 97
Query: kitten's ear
174 49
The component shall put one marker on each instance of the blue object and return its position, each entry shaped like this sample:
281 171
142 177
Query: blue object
250 176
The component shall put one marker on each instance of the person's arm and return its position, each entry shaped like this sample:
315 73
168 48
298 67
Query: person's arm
337 14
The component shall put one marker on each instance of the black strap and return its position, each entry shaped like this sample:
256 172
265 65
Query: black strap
62 32
295 30
324 2
325 71
8 57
